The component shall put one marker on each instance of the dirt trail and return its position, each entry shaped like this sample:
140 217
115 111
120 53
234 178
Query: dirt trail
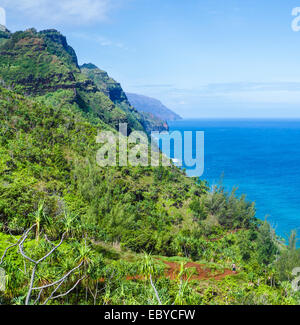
201 273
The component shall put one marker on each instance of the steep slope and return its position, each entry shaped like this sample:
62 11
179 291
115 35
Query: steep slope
153 123
106 84
152 106
114 91
4 34
49 154
49 177
42 64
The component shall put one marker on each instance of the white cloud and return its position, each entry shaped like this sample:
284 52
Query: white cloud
240 92
230 99
267 97
101 40
66 11
2 17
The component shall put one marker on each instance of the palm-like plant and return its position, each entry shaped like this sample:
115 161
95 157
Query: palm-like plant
71 223
183 273
40 217
148 269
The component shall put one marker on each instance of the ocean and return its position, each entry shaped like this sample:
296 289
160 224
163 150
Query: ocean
260 157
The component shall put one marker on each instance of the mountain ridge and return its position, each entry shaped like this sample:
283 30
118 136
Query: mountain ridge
42 64
153 106
114 91
108 221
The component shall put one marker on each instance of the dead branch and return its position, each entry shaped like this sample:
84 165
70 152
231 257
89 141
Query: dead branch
155 291
8 248
58 281
20 244
66 293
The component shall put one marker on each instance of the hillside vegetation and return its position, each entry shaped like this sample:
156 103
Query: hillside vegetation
72 232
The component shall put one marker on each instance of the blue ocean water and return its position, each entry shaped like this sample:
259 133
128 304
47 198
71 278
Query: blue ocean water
261 158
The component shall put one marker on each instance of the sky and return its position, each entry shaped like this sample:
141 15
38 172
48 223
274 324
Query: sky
201 58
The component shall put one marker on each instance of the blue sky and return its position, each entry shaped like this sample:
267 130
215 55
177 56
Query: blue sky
202 58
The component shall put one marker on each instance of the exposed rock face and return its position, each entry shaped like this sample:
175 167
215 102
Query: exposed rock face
153 106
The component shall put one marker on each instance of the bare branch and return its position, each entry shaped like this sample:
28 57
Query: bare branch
58 281
22 242
31 285
52 250
66 293
47 239
53 292
33 261
6 250
9 247
156 293
39 297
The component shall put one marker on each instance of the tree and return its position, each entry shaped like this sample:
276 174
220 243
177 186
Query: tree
266 244
56 284
293 240
244 245
199 210
289 259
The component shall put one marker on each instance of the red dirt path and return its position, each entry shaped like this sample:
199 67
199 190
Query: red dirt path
201 273
173 269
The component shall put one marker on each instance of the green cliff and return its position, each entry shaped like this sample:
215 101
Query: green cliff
42 64
118 225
